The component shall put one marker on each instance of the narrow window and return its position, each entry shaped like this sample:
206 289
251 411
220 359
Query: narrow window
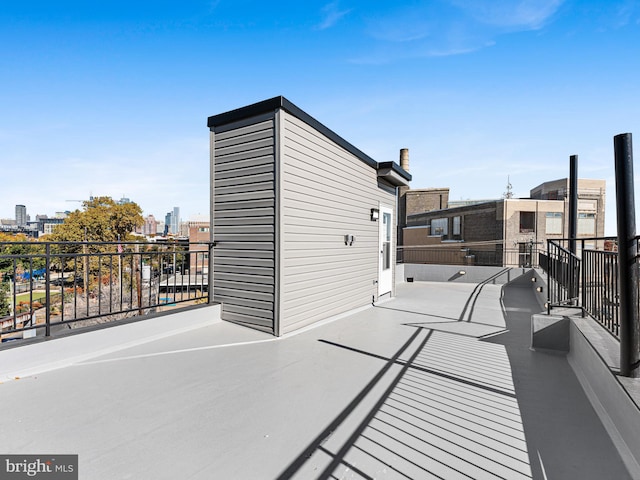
456 225
527 222
439 226
553 223
586 223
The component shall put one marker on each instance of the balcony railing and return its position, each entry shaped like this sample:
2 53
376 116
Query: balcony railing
46 286
588 279
490 253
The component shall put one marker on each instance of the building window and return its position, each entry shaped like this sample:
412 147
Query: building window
586 223
456 225
554 223
527 222
439 226
203 229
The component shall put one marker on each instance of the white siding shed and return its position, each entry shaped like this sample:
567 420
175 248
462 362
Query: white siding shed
304 222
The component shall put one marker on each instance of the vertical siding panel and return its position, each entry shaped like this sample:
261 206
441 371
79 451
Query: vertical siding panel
244 221
326 193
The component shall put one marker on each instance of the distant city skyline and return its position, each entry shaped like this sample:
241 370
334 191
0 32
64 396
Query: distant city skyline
25 213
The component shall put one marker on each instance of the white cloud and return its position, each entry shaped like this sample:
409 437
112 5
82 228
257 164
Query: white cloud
332 14
628 12
450 27
518 14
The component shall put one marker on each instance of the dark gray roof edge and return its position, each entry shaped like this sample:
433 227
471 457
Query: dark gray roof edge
274 103
245 112
396 168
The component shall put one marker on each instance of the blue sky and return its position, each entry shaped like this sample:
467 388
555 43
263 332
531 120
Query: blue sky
111 98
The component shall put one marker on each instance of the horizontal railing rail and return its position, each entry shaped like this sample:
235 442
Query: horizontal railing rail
53 285
471 253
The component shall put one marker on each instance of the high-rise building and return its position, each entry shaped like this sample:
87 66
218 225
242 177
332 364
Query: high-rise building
21 216
150 225
175 221
172 222
167 224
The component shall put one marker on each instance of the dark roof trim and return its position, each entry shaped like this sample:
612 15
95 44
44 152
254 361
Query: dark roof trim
274 103
394 173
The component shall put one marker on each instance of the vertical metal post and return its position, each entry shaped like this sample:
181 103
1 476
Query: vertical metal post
573 202
627 252
549 284
47 286
573 227
584 280
138 269
211 245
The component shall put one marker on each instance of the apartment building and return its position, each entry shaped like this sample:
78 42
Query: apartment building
509 231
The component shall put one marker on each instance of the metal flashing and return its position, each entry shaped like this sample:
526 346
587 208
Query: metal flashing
217 122
394 174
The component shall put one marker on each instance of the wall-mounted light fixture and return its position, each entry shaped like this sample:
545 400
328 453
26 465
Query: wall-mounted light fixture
539 289
375 214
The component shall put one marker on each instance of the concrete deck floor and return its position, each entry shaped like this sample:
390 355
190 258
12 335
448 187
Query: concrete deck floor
436 383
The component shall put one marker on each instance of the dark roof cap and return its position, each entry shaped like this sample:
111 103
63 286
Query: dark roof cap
400 176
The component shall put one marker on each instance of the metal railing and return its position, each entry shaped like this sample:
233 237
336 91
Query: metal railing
563 275
46 286
600 288
471 253
588 280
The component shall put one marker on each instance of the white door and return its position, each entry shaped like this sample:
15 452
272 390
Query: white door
385 272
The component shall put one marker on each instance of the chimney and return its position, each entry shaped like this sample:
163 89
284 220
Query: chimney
404 159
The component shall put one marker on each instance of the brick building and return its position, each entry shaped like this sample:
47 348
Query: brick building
199 228
508 231
414 201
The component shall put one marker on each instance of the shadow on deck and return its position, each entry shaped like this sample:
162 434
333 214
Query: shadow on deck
438 383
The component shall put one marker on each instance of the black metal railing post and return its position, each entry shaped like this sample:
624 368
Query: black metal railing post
573 202
583 279
627 254
549 285
573 222
210 272
47 286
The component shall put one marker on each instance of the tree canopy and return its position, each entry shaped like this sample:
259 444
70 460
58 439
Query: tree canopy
10 244
101 220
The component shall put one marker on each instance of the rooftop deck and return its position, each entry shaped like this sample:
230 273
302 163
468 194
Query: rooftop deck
439 382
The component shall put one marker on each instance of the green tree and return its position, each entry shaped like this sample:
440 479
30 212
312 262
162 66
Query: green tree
101 220
10 244
4 297
19 244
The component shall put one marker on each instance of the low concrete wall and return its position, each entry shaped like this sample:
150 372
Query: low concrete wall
592 356
59 352
550 332
459 273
